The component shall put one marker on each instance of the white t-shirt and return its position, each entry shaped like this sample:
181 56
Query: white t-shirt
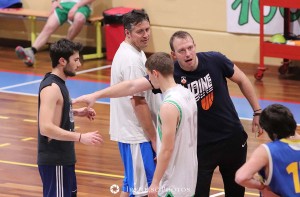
181 175
128 64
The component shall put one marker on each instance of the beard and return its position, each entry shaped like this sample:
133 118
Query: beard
69 73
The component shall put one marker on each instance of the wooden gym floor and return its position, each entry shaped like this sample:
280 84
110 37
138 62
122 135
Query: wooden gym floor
98 167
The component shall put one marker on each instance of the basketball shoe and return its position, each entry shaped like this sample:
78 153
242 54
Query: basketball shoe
26 55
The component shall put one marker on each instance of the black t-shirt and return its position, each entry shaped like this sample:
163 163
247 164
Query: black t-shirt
217 117
55 152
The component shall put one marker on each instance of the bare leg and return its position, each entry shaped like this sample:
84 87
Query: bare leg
50 27
27 54
75 28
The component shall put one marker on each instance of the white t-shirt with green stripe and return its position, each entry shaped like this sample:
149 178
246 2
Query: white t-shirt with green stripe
181 175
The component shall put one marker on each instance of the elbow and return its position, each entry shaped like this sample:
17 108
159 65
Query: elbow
169 150
240 179
45 130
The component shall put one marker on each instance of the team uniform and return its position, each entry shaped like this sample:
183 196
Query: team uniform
56 159
67 5
220 132
284 167
134 145
179 179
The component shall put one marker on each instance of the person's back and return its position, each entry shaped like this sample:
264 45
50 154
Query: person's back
282 171
181 175
278 161
284 165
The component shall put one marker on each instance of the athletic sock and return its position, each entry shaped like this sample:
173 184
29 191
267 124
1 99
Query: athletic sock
34 50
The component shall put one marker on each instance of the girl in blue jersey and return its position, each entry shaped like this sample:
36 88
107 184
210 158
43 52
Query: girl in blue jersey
278 161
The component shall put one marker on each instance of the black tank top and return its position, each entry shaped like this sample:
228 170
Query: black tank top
55 152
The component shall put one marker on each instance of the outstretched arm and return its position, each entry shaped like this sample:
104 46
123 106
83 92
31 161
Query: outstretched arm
125 88
247 89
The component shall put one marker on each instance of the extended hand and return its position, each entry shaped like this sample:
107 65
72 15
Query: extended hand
153 190
88 99
91 138
90 113
256 127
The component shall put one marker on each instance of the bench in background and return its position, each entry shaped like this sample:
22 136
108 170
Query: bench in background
33 15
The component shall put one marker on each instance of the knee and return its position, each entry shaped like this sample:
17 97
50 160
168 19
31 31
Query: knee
79 19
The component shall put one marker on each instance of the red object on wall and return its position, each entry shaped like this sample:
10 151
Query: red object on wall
114 36
114 30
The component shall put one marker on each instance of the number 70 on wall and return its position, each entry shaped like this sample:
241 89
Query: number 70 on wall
251 8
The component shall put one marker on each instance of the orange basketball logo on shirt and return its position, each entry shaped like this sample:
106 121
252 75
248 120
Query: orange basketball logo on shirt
207 101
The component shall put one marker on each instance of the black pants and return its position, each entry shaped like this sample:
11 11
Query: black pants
229 155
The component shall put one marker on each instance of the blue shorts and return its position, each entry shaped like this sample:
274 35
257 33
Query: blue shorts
139 165
58 181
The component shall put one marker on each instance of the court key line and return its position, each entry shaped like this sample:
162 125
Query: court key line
79 171
217 194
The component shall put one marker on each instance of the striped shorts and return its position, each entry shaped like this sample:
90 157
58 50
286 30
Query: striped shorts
139 165
58 181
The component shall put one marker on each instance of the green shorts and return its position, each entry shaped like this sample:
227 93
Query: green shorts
62 14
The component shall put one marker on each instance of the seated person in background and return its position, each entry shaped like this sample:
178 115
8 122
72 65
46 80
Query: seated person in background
74 11
278 160
10 4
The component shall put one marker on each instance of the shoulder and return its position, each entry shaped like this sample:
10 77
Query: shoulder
214 54
169 109
51 88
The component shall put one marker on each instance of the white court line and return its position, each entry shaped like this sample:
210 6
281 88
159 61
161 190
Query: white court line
19 93
80 72
38 81
217 194
93 69
21 84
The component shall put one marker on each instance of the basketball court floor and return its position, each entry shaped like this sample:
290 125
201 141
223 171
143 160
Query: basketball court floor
99 169
28 84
